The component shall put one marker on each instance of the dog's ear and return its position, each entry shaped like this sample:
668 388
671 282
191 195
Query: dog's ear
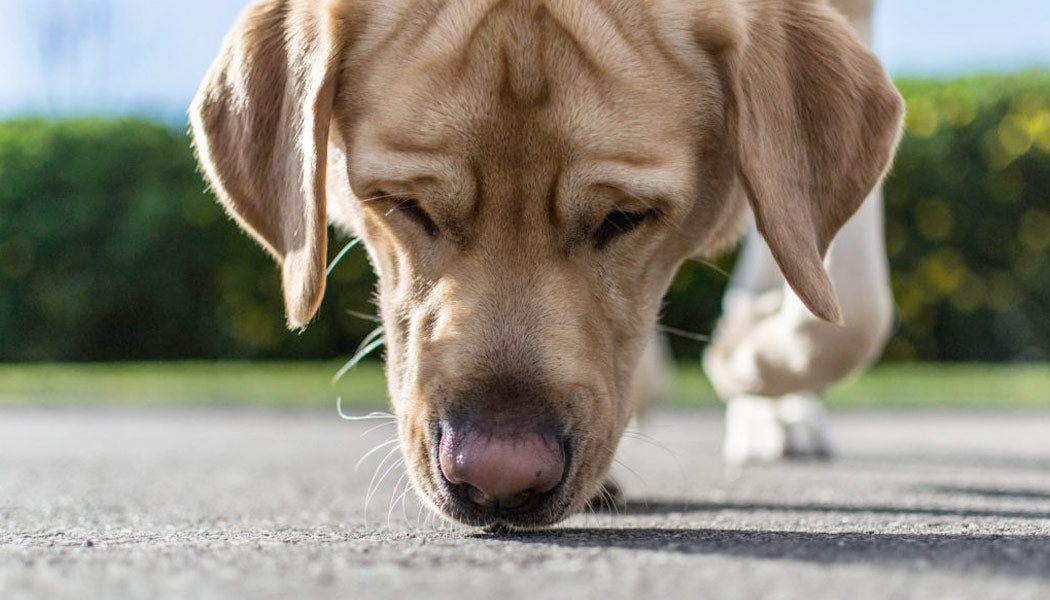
260 125
816 121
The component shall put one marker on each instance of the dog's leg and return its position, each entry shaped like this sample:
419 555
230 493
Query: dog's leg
768 345
752 431
769 350
759 429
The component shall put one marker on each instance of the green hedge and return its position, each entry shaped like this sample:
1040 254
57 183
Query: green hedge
968 220
111 249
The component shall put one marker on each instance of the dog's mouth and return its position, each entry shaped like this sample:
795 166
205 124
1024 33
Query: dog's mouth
520 481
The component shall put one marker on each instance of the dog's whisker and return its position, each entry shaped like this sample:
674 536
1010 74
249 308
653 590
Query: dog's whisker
364 316
402 202
371 337
379 197
363 349
637 435
371 494
610 500
648 439
400 464
393 495
688 335
342 254
403 500
369 417
712 266
377 427
640 435
373 451
404 504
372 483
357 358
631 471
420 524
605 498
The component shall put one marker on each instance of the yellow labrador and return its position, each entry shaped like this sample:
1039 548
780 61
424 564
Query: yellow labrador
527 175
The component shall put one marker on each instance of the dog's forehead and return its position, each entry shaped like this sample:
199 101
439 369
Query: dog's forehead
526 81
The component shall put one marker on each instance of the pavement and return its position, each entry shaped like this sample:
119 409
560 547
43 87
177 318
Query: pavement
177 503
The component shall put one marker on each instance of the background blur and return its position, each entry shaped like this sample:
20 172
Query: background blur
112 250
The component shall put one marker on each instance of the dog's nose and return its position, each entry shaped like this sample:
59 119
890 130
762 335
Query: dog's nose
501 471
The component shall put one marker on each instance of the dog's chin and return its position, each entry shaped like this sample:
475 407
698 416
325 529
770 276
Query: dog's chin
548 511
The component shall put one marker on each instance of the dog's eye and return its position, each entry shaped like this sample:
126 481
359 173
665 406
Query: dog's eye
411 209
620 223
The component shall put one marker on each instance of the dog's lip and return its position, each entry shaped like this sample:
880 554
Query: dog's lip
551 510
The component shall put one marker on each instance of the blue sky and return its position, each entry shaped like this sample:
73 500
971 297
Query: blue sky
951 36
147 56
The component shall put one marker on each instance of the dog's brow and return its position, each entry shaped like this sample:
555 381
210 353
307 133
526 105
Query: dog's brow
398 141
624 157
407 167
637 176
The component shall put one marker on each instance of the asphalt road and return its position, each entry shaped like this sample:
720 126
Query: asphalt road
214 504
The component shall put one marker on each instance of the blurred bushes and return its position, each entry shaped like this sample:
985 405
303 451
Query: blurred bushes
968 220
111 249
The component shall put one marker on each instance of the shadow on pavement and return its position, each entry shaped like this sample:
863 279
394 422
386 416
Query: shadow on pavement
964 461
1000 493
1027 555
663 507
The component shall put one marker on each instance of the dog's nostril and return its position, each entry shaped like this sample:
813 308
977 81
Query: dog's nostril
478 497
487 502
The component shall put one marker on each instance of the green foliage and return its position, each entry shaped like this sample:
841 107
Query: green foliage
968 220
110 247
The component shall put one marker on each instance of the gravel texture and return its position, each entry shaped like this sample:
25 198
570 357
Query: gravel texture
247 504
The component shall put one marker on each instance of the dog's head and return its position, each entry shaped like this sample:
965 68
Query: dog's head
527 175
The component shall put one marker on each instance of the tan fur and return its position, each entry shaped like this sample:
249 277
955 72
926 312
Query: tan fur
518 126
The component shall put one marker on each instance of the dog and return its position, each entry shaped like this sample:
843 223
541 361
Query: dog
527 176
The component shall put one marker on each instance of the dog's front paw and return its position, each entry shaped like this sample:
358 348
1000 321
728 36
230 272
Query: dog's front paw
759 429
753 433
805 427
